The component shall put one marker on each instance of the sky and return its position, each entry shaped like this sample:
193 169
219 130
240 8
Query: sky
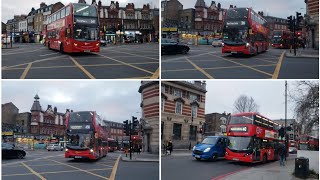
269 95
115 101
277 8
9 8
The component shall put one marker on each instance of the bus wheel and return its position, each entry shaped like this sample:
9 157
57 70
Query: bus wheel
256 53
49 45
264 158
61 48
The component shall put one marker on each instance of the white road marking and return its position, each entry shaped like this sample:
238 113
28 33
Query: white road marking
49 54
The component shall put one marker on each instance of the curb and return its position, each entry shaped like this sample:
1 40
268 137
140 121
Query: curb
139 160
288 55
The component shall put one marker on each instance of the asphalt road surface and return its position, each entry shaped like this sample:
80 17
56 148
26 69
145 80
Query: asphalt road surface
188 168
42 164
206 62
125 61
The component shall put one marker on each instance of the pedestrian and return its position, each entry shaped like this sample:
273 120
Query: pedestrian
164 148
282 154
170 147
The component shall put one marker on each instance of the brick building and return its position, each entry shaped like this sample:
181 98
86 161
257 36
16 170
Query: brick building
275 24
115 130
216 124
47 123
149 121
312 23
208 20
23 121
182 112
117 23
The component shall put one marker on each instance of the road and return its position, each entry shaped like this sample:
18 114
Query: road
42 164
126 61
206 62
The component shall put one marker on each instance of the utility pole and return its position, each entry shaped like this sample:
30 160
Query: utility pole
294 35
130 142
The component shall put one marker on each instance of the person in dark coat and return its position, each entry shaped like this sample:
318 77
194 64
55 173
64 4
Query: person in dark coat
282 153
170 147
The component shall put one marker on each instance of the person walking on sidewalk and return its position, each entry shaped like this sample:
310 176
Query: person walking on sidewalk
282 153
170 147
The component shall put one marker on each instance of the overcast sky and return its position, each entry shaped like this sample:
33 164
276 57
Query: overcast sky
18 7
115 101
277 8
269 95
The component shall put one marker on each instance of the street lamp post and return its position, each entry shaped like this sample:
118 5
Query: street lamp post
190 130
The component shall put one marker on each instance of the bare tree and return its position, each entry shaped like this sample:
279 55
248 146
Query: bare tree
306 99
245 103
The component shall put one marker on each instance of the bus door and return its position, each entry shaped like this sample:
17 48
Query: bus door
256 149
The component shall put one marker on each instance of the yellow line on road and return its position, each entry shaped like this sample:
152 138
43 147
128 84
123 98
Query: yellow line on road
19 52
36 61
25 72
81 68
125 63
243 65
155 74
144 77
277 70
78 169
114 169
17 174
226 67
34 172
199 69
136 55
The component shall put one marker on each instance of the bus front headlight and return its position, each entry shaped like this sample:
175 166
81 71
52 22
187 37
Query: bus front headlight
91 150
75 44
66 150
97 44
247 44
207 150
222 44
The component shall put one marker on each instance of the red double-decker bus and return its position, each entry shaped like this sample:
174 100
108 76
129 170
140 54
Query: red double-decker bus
86 137
281 39
307 142
252 137
244 32
74 28
112 145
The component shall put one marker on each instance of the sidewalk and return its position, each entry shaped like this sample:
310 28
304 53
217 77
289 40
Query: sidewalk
178 152
269 171
303 53
142 157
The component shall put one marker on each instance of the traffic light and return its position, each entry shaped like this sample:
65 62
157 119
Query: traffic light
289 128
299 20
126 127
135 123
290 23
134 138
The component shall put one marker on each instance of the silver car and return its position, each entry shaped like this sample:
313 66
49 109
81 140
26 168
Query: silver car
54 147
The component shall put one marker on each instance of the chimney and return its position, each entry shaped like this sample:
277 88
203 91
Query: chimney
235 6
213 3
117 5
43 5
49 106
55 110
219 5
231 6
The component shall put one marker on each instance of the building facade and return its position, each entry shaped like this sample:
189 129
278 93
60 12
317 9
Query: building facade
312 23
23 121
115 130
118 23
149 121
216 124
276 24
208 20
46 124
182 112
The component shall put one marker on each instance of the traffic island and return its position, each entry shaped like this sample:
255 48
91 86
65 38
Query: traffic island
303 53
143 157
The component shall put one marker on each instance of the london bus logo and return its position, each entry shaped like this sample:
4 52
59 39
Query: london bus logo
239 129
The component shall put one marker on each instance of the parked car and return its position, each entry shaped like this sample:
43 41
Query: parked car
292 150
172 46
54 147
211 148
103 42
10 151
217 43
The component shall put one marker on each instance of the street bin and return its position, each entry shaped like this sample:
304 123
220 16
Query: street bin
301 168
